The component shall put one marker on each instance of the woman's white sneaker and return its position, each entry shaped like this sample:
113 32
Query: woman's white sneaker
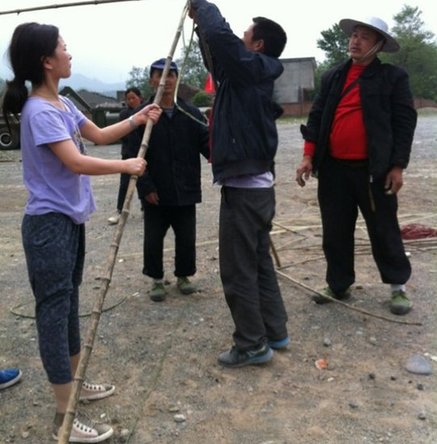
82 433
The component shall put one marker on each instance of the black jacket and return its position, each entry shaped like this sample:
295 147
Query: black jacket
173 157
130 144
244 135
388 113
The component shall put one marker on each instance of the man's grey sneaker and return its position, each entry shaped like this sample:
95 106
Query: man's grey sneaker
340 296
80 432
279 344
185 286
237 358
399 303
158 292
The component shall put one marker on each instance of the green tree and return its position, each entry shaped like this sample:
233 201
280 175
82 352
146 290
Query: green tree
139 77
194 72
418 52
202 98
334 43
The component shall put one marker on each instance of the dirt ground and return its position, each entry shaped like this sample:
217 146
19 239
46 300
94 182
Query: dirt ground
163 356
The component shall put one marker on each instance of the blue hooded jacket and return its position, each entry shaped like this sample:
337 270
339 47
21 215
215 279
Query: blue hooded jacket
244 134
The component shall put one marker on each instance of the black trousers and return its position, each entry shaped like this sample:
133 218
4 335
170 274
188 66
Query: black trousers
122 191
157 220
246 268
342 190
122 188
55 252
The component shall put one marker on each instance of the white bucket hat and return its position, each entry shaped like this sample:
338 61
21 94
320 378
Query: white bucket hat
375 23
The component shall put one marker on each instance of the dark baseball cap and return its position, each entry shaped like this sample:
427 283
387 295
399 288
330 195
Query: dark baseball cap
160 64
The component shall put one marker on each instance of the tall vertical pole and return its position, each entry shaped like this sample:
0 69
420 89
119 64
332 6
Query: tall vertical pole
73 401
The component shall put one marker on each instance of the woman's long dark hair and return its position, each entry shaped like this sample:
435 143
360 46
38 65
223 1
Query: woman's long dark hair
30 43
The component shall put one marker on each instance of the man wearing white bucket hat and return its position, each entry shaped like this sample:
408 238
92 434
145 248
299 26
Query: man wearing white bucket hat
358 141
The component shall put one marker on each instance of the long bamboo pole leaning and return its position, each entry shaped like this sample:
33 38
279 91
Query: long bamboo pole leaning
63 5
106 279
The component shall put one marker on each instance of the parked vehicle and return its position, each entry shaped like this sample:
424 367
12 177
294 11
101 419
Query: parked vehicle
9 138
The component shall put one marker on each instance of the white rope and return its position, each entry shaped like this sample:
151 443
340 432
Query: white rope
181 70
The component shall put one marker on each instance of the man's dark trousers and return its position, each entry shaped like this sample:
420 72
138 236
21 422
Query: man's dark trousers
246 267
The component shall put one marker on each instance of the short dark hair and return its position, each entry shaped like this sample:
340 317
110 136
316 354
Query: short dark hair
272 33
134 90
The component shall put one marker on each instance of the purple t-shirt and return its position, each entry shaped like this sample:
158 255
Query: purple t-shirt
263 180
51 186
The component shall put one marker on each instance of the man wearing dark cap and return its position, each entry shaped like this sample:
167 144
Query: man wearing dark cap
358 141
171 186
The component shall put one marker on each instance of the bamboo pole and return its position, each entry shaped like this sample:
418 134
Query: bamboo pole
65 5
106 279
275 253
344 304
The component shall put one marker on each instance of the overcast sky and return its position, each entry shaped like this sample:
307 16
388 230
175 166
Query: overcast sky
107 40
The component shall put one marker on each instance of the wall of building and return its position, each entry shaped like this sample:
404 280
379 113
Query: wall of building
424 103
296 109
292 86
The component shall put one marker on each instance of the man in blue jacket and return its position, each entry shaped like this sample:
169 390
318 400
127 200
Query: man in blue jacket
244 141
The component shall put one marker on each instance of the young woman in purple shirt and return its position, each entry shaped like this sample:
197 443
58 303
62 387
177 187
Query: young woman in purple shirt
60 200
